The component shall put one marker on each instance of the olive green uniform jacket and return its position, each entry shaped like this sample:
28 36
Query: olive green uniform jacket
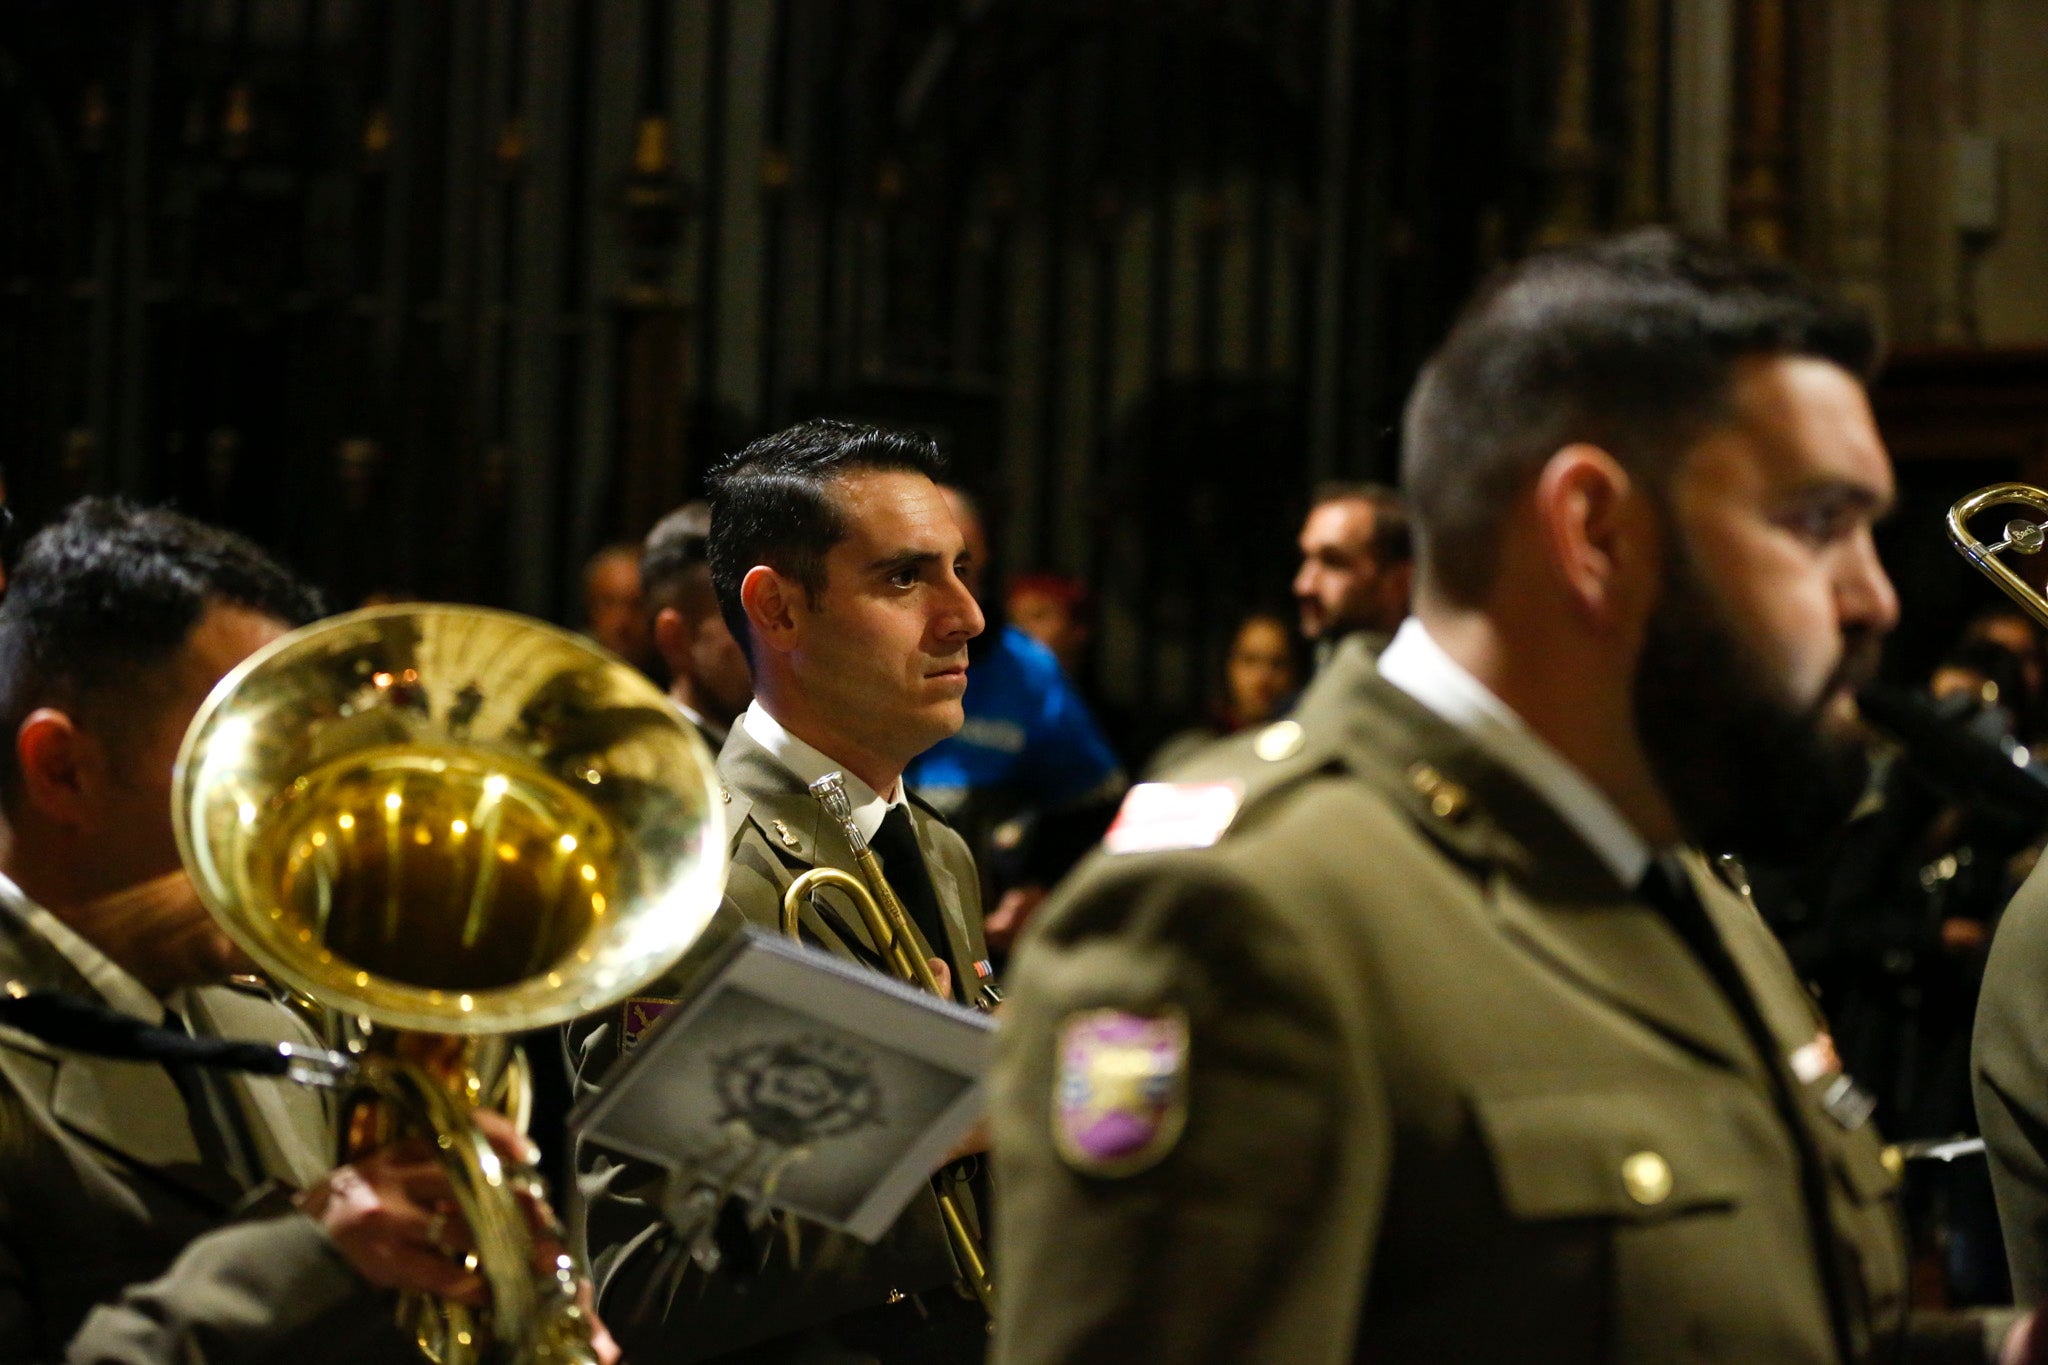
776 832
1452 1094
121 1237
2009 1077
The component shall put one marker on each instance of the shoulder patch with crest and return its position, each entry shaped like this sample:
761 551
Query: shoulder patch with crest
1158 816
1121 1099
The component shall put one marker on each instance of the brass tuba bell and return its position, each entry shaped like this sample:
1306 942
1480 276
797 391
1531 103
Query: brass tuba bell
443 825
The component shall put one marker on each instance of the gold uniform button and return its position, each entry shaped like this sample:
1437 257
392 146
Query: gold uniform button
1647 1177
1281 739
1447 800
1894 1161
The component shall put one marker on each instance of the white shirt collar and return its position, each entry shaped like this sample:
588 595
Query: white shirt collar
115 985
714 733
1418 665
809 765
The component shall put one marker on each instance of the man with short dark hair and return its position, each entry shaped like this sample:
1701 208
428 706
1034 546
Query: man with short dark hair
839 568
1357 564
1416 1027
707 670
148 1212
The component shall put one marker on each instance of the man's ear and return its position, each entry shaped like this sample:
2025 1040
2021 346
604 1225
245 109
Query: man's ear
672 639
1597 531
59 764
772 607
1397 585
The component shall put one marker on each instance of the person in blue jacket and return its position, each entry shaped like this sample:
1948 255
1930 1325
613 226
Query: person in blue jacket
1029 779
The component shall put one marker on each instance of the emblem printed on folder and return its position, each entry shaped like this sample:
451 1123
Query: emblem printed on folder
1122 1096
643 1012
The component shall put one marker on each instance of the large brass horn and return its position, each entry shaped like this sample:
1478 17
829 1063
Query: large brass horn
444 825
2021 536
907 954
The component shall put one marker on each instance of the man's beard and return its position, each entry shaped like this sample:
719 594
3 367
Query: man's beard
1745 771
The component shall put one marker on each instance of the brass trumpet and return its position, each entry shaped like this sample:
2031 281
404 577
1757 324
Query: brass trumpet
2021 536
443 825
909 957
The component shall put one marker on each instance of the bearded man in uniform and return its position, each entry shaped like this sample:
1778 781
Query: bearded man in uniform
1420 1026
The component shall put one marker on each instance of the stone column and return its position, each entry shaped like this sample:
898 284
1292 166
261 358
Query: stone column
1846 184
1642 181
1702 92
1571 156
1757 200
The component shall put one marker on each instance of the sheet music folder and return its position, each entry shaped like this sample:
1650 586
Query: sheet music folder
795 1080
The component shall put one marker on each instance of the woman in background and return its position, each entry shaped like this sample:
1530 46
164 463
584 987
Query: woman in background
1261 674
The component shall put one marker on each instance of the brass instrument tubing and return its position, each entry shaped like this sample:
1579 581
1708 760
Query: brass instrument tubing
889 925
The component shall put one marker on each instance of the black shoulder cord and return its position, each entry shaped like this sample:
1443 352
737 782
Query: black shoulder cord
79 1025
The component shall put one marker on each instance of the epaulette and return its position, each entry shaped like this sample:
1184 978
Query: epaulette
1216 790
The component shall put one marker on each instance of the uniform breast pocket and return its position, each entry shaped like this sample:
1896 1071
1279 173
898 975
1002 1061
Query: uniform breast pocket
1642 1205
1634 1155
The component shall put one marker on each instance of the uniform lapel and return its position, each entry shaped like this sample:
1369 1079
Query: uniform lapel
288 1124
1790 1014
1551 892
132 1110
1629 955
792 824
962 944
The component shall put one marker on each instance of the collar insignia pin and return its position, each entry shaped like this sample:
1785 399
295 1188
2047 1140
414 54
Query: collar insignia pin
782 833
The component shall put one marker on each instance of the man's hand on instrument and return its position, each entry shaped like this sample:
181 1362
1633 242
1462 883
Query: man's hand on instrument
392 1214
387 1214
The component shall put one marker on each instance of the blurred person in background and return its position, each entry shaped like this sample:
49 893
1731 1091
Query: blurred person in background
1357 565
1056 610
612 611
1030 779
1891 920
1261 674
2015 632
7 533
707 671
1052 608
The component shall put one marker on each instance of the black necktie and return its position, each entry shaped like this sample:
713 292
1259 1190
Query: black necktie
1669 888
903 864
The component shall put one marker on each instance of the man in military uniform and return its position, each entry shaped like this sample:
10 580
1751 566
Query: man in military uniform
153 1212
1357 566
707 670
838 566
1415 1028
